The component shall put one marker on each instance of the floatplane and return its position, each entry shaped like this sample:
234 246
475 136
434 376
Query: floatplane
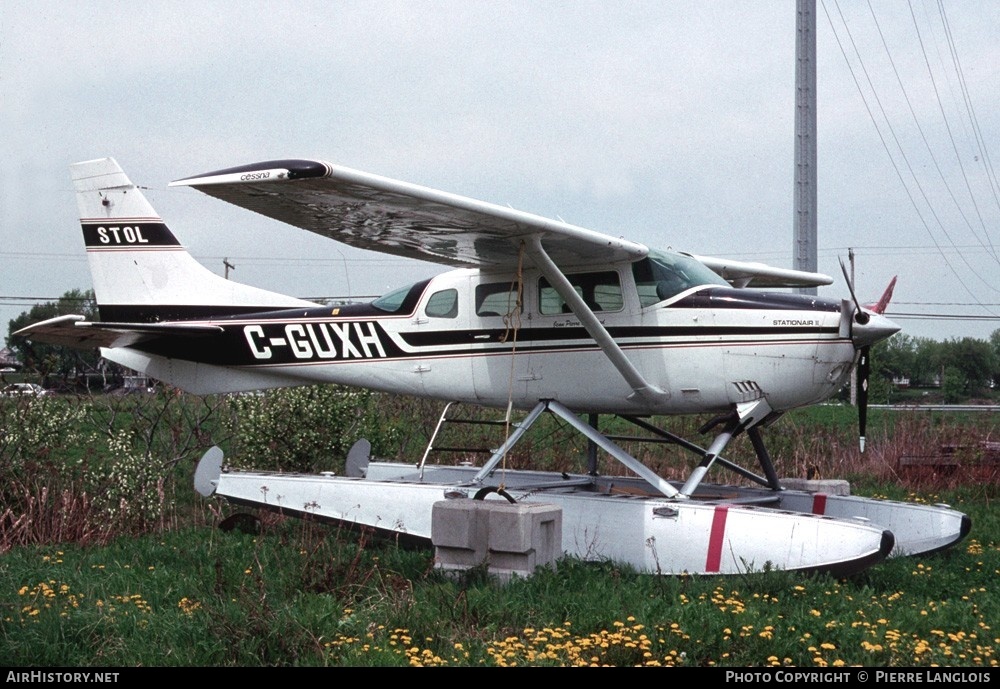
535 316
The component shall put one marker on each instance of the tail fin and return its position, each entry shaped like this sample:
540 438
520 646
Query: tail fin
140 272
882 304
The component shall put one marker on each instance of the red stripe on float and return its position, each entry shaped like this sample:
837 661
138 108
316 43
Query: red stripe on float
715 539
819 503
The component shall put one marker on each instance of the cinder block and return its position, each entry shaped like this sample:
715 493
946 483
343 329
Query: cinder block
509 538
458 524
459 532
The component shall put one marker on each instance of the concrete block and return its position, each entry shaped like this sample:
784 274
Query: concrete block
459 532
510 538
828 486
458 524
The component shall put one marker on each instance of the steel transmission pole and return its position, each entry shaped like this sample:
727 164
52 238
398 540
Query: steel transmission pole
804 248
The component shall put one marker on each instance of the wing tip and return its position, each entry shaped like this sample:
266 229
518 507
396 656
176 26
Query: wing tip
265 171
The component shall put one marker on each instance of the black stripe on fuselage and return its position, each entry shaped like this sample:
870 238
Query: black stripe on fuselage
160 313
634 334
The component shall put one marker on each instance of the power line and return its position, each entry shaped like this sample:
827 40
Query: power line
896 315
904 158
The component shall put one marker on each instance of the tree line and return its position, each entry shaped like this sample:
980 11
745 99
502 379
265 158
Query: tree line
56 366
961 368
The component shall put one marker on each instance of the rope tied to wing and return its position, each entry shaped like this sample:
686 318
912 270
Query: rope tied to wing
512 323
512 318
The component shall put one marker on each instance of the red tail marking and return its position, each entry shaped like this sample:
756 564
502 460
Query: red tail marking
883 303
714 558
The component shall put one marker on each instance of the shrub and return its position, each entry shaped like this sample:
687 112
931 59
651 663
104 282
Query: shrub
305 429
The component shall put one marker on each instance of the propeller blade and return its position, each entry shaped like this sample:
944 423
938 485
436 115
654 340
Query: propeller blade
859 315
864 368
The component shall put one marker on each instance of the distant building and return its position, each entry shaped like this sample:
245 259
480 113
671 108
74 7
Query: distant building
137 384
8 362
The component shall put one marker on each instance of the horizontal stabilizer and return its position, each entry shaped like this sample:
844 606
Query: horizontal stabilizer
79 333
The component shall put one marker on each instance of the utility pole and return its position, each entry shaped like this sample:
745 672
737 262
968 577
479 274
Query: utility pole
854 379
804 246
229 266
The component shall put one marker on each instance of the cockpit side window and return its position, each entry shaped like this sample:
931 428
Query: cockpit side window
600 291
443 304
662 275
496 299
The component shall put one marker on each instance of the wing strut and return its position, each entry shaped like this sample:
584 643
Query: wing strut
640 386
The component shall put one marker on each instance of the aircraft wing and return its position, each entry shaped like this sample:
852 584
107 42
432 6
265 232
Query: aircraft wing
77 332
748 274
381 214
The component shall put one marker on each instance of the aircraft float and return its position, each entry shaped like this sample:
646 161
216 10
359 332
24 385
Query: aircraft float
534 316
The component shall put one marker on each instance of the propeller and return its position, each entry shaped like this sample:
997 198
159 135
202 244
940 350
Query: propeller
863 369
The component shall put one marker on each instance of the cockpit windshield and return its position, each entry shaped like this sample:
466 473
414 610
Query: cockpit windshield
402 300
664 274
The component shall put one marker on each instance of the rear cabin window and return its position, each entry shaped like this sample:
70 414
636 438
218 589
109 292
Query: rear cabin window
496 299
600 291
443 304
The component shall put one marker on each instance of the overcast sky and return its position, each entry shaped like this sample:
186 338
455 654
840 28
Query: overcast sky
669 123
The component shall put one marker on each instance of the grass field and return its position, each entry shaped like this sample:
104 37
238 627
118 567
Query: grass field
110 560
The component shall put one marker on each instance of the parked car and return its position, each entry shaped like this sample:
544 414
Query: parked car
18 389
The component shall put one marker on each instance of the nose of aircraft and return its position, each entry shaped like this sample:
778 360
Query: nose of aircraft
874 329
